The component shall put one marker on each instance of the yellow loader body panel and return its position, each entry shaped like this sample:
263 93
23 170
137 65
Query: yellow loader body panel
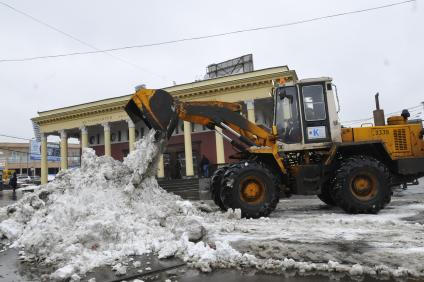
400 141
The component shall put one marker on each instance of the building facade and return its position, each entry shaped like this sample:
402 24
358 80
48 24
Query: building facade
104 125
17 157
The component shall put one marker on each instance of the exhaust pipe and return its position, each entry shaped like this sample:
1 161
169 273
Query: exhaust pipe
379 119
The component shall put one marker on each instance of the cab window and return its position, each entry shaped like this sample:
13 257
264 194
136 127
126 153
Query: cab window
287 115
314 103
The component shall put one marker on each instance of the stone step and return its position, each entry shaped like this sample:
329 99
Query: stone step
180 188
179 185
188 188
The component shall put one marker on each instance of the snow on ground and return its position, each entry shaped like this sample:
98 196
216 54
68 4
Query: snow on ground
108 210
104 212
320 238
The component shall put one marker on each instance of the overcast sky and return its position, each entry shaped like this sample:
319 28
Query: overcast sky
380 50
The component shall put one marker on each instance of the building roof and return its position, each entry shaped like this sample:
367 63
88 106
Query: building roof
176 88
112 109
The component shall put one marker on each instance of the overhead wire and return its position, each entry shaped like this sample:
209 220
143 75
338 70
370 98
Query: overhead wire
15 137
202 37
357 121
79 40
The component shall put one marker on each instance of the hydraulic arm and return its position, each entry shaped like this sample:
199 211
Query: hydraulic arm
161 111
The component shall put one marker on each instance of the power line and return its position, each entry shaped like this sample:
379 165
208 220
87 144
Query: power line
211 35
77 39
14 137
353 122
411 109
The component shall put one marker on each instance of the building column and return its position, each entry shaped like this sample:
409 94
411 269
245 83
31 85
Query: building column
131 135
251 110
188 149
108 147
63 150
219 141
161 168
84 137
44 164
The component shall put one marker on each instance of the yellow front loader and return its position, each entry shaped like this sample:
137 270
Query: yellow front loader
306 152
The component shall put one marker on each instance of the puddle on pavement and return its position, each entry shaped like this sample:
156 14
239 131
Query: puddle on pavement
150 269
418 218
153 269
193 275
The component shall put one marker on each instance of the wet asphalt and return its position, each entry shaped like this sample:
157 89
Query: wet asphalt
153 269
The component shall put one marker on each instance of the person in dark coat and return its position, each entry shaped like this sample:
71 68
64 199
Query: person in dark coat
204 164
178 170
13 182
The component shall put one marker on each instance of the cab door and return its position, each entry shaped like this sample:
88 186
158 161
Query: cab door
316 125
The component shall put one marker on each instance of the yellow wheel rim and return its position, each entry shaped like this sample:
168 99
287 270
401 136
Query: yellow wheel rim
364 186
252 190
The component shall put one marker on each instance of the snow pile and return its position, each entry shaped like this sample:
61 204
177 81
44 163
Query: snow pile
104 211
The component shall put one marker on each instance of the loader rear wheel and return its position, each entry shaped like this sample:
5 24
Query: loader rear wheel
216 187
252 188
362 185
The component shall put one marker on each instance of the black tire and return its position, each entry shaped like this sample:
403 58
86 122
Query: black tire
362 185
326 193
252 188
216 187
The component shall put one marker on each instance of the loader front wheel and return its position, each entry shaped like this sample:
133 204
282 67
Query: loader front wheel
326 195
250 187
216 187
362 185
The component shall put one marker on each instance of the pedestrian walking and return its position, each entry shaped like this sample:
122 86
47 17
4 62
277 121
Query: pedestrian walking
13 182
1 181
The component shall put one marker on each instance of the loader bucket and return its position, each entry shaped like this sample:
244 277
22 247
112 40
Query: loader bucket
156 108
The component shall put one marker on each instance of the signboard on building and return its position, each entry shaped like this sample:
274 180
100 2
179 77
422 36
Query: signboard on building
37 132
238 65
53 151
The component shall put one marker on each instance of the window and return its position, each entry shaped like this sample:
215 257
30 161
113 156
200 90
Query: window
287 115
313 102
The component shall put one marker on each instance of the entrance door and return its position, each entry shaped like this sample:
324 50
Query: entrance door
181 159
316 126
167 166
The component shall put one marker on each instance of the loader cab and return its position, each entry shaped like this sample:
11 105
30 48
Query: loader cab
305 114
